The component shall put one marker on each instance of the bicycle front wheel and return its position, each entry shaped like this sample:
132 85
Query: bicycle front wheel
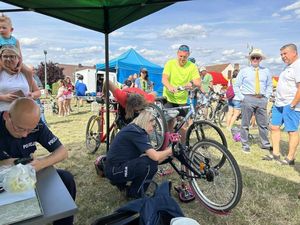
201 130
160 127
93 135
220 190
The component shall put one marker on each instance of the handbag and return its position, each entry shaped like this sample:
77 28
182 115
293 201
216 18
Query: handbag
230 91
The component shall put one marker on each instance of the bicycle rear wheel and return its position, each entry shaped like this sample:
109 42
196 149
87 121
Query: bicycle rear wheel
201 130
221 188
160 127
92 135
221 116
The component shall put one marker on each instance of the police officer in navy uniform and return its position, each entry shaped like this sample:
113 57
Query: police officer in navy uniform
20 129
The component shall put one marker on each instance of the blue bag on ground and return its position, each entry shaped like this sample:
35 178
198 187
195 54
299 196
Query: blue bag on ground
158 209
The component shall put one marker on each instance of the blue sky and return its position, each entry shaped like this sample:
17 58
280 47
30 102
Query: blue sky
217 31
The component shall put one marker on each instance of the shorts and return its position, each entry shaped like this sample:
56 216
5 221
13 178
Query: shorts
234 104
69 96
61 99
182 112
286 115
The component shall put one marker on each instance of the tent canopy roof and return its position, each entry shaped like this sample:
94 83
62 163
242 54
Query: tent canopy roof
131 57
99 15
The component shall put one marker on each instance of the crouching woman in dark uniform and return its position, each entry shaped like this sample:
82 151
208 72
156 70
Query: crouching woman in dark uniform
131 156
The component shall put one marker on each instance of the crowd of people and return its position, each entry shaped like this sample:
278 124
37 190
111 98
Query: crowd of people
131 156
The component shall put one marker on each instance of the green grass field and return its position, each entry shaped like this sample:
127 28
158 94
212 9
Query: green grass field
269 193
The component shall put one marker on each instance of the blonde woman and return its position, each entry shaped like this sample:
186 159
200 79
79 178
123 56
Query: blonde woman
131 157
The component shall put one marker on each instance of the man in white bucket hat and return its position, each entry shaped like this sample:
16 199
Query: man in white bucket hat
254 87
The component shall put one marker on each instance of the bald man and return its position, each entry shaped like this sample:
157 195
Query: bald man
20 129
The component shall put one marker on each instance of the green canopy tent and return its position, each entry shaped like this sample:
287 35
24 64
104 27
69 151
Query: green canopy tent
100 15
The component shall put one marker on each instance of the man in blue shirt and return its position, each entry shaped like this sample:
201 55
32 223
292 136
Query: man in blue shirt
80 89
20 129
254 87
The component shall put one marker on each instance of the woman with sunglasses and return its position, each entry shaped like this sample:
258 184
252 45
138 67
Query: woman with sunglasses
131 157
253 87
14 84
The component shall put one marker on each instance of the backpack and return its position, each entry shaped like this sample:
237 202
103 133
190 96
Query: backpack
230 91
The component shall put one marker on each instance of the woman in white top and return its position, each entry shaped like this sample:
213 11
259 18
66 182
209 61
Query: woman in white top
17 84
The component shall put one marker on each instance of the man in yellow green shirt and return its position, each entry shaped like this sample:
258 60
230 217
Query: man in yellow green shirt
179 72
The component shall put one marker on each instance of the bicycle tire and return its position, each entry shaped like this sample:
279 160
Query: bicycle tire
210 113
221 188
221 116
92 135
160 127
201 130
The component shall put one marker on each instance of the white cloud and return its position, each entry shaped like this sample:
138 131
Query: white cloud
117 34
57 49
92 49
293 6
28 41
275 15
149 53
286 17
228 52
126 48
186 31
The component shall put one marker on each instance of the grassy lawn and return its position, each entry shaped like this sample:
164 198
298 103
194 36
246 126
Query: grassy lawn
269 193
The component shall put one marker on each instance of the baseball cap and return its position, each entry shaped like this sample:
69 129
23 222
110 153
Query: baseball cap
144 70
10 48
184 48
202 68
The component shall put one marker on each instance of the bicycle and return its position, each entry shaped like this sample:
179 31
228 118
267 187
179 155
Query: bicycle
199 129
207 165
95 134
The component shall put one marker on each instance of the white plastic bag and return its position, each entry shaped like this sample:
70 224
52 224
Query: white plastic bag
19 178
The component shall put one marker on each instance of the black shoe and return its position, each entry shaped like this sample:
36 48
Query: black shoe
270 148
287 161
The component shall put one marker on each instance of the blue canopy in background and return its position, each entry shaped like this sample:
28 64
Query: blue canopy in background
132 62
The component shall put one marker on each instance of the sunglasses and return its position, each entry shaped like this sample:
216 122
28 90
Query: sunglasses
184 48
255 57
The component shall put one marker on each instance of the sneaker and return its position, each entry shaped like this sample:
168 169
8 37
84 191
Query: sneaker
246 150
287 161
271 157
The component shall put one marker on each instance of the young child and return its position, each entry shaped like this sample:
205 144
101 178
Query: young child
6 38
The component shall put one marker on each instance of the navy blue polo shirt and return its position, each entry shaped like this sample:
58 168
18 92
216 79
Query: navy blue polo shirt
11 147
129 143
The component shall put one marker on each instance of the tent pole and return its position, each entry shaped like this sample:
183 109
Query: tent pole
106 22
107 90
